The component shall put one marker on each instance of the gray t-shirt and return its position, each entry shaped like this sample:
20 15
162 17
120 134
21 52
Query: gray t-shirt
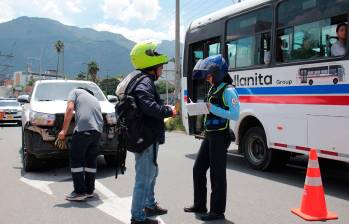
88 114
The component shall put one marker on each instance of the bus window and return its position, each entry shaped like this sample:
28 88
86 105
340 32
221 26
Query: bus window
249 38
214 49
306 39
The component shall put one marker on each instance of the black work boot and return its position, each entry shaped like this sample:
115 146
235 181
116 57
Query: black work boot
195 209
146 221
157 210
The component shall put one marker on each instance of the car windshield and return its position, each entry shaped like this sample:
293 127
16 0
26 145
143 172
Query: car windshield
9 104
61 90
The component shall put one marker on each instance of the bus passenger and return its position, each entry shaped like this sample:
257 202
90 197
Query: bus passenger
223 104
339 47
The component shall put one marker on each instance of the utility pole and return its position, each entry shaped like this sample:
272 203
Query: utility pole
177 56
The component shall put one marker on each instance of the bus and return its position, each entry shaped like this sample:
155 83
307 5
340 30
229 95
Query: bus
294 92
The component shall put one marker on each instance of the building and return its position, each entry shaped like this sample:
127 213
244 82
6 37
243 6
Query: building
20 79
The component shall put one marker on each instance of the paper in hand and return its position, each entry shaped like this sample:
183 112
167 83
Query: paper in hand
195 109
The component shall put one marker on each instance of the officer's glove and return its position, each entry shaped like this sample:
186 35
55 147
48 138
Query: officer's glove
61 144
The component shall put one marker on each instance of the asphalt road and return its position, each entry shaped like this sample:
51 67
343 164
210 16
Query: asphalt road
254 197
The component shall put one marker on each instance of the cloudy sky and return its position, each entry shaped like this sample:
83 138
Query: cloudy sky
135 19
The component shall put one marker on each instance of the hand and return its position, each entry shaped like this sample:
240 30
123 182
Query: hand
209 105
61 135
174 111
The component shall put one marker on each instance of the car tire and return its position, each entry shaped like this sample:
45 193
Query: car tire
311 82
29 161
19 123
110 160
335 81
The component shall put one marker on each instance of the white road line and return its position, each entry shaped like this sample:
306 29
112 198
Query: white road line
42 181
115 206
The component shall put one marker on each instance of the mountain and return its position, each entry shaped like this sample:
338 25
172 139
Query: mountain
28 37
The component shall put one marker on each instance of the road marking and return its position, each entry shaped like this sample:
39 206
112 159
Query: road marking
115 206
41 181
112 205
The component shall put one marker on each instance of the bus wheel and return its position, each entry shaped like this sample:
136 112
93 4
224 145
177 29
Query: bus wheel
256 151
311 82
335 81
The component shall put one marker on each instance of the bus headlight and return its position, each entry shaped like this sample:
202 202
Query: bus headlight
42 119
111 118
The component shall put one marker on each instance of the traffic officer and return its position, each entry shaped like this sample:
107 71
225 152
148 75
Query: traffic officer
223 105
85 141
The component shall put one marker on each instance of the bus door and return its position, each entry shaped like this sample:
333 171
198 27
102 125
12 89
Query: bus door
198 89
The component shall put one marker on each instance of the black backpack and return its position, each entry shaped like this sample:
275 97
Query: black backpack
129 125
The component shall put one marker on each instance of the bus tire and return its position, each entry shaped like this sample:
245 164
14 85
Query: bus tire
255 148
335 81
311 82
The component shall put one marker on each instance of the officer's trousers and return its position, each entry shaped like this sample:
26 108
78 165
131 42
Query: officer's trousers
213 155
83 160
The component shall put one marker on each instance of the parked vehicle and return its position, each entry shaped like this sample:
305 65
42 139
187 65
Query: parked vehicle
10 111
43 117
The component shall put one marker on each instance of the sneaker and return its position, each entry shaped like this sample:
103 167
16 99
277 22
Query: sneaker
146 221
157 210
91 195
75 197
212 216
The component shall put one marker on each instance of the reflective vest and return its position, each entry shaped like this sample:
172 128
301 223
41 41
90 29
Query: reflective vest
216 97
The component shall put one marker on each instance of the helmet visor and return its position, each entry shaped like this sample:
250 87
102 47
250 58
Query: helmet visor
200 70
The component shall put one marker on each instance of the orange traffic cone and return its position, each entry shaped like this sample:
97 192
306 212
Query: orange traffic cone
313 207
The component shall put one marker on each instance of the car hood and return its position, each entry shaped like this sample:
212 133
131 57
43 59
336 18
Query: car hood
59 107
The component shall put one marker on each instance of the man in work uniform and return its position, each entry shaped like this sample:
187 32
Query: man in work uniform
150 63
223 104
85 141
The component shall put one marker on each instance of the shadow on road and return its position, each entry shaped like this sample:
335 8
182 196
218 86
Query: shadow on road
225 221
334 174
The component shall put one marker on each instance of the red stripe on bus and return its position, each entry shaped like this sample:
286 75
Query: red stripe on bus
280 145
329 153
302 148
318 100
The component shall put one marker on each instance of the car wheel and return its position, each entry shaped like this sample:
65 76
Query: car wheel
30 162
256 152
19 123
110 160
311 82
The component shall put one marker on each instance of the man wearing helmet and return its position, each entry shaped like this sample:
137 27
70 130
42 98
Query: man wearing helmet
150 63
223 104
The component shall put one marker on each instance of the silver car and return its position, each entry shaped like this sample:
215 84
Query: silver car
43 116
10 111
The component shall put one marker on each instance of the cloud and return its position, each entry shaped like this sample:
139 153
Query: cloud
126 10
74 6
7 13
141 34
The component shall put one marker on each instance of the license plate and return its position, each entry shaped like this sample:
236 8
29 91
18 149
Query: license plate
10 117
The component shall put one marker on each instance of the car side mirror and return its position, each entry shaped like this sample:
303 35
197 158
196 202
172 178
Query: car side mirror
112 99
23 99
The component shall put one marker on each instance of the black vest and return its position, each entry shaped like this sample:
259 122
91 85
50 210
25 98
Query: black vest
213 122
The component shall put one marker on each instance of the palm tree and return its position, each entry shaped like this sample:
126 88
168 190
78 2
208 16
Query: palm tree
59 45
93 69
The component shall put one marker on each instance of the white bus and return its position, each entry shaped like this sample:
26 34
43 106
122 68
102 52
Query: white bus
294 94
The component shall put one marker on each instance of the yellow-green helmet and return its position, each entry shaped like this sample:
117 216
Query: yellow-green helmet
144 55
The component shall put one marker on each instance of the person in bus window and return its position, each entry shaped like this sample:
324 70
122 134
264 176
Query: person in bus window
339 47
223 104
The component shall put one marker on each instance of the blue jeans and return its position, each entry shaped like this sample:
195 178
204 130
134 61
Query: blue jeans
143 191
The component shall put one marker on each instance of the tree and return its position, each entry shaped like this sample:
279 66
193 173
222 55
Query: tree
109 85
59 45
81 76
93 69
161 87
